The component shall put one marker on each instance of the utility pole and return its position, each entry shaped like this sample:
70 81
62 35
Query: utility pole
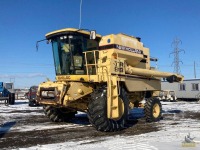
194 70
176 52
12 80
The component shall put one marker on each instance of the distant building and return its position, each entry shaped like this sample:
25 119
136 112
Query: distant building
188 89
21 93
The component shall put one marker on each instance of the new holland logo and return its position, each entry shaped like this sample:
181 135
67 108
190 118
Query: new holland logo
137 51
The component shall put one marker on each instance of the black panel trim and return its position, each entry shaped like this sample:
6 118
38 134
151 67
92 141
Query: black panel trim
143 61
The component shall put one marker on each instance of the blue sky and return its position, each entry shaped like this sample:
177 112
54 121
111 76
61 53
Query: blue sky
157 22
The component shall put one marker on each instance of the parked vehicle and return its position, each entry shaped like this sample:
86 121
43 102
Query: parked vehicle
31 95
7 93
167 95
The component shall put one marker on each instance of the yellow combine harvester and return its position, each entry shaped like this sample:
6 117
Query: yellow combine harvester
104 76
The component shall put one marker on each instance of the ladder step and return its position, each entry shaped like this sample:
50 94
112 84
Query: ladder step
114 96
114 107
114 86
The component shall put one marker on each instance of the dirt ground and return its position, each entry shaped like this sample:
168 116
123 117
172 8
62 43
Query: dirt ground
16 139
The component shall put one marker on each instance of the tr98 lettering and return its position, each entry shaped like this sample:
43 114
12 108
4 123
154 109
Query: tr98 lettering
119 66
118 69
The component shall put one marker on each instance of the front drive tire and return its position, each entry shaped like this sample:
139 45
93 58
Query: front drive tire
153 110
97 111
58 114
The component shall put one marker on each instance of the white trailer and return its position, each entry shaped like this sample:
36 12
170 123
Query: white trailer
189 89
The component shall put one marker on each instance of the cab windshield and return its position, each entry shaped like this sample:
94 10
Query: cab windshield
68 53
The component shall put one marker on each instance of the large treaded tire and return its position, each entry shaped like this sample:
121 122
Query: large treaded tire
58 114
97 111
151 114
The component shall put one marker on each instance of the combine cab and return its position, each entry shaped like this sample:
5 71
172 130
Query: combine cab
103 76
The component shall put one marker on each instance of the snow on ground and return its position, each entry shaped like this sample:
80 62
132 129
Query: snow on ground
181 106
173 129
21 109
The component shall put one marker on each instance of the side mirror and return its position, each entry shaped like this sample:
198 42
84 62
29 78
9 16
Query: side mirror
48 41
92 34
37 43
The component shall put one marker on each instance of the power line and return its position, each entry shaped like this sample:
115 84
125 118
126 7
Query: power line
176 52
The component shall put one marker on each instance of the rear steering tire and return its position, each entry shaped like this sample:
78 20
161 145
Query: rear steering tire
97 111
58 114
153 110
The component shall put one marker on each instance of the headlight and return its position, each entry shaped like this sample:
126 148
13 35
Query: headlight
48 94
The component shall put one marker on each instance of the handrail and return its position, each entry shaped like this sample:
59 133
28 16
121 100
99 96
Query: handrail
95 60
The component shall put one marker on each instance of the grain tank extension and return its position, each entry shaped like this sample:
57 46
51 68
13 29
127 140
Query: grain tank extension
104 76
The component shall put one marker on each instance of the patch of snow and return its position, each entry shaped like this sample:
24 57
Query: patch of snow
181 106
170 136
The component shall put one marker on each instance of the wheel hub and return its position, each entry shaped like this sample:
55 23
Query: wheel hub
156 110
121 108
